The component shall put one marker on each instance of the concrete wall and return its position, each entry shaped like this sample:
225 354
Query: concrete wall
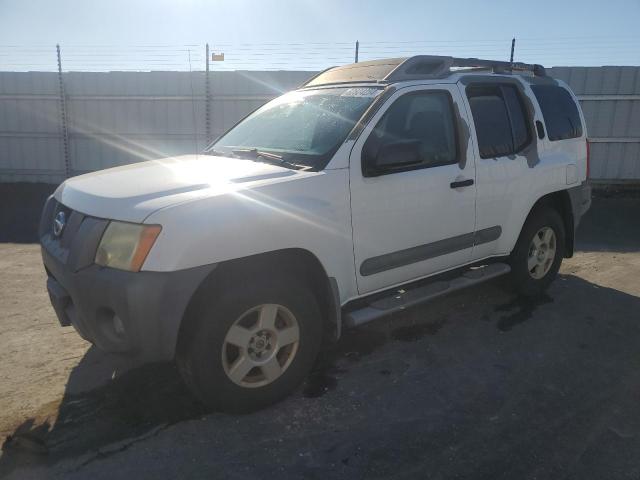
116 118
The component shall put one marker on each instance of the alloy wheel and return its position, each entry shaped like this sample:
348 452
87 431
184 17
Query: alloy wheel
260 345
542 253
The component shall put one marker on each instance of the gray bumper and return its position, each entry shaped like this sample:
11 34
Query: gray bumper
118 311
150 305
580 201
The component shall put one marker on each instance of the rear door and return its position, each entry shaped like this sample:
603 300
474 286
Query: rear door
413 219
506 152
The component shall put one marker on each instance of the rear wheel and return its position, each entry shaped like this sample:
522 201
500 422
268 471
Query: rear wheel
536 259
249 347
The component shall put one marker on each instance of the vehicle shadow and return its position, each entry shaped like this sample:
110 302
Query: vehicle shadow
610 225
106 400
19 223
140 402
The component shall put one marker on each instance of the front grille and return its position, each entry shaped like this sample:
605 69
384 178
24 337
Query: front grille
76 245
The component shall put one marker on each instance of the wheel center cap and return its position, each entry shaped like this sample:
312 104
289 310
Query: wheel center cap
542 253
260 345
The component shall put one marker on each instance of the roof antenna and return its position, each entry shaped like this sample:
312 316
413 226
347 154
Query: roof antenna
513 47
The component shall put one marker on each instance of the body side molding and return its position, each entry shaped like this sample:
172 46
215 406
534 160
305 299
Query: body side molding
411 255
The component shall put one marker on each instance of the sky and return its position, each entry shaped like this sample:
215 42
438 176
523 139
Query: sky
310 34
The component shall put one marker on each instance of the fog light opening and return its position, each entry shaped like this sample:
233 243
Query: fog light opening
118 326
112 327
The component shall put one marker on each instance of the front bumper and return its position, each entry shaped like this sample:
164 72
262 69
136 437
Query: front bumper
118 311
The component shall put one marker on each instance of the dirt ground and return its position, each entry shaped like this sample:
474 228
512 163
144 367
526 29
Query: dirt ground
479 384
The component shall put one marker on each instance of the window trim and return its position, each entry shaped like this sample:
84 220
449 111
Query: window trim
528 117
368 173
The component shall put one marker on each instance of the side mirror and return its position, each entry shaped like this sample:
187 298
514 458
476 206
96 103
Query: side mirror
392 156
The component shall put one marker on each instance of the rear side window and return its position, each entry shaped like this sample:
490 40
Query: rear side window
560 112
501 123
518 118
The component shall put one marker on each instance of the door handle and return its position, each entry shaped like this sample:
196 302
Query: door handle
462 183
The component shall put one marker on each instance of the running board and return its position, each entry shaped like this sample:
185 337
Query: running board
402 299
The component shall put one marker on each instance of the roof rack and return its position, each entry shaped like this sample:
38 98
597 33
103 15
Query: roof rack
419 67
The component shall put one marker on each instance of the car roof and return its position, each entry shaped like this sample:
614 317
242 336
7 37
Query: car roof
419 67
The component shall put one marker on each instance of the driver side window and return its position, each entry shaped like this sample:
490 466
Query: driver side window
422 119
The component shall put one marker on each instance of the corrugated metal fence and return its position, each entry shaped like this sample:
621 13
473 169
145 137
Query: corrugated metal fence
117 118
610 98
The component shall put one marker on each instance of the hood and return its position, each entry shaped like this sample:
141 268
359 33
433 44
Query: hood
132 192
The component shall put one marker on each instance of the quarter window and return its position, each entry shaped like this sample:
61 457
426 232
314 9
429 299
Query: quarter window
425 117
502 126
560 112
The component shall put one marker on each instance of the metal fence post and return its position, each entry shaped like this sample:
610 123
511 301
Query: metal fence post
357 50
513 47
63 117
207 100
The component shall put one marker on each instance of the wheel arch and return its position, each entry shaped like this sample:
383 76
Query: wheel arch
560 201
297 263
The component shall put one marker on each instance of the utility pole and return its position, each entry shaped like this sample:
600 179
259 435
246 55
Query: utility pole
357 48
207 100
63 117
513 47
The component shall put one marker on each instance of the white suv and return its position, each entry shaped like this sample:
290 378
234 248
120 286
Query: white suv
373 187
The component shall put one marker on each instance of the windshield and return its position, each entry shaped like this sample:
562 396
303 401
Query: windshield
303 127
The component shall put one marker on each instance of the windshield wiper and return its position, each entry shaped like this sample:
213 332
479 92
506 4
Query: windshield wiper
254 152
213 151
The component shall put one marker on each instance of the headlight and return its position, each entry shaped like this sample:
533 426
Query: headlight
126 245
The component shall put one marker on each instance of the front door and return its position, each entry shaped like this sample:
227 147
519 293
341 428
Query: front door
413 188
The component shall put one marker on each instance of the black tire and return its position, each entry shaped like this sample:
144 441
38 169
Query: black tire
200 354
523 280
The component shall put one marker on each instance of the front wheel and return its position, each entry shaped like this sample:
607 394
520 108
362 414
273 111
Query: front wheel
251 346
536 259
